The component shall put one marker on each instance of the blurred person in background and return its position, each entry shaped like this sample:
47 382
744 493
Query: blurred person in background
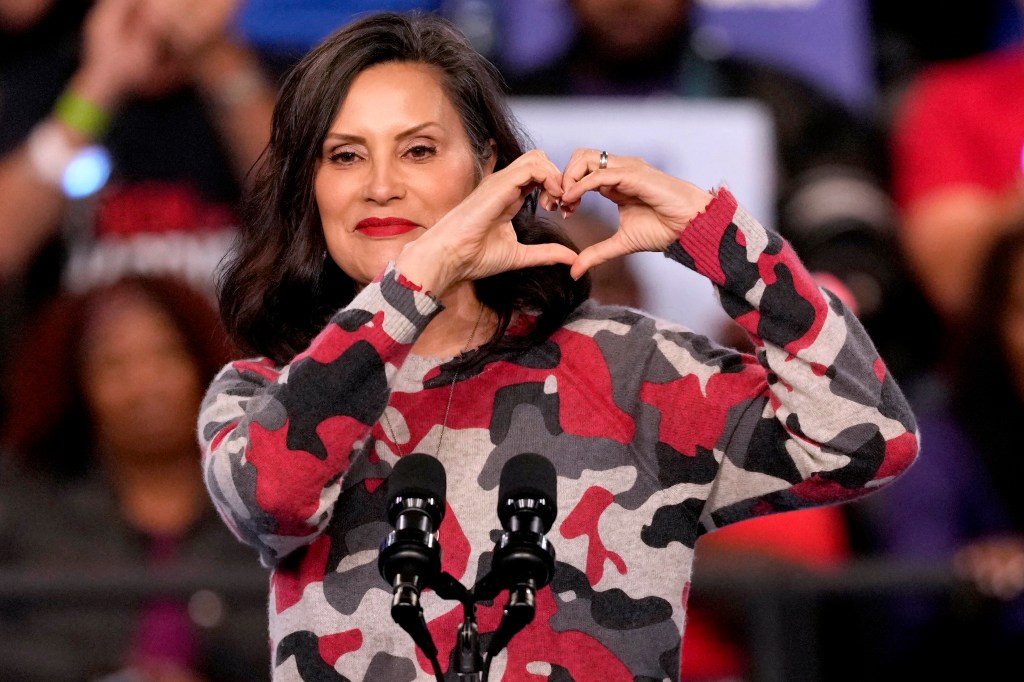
101 474
162 94
833 201
958 170
961 502
904 45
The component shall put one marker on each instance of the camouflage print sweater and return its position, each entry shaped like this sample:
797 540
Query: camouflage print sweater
657 436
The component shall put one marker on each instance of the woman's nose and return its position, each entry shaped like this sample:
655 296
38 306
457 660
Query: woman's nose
384 183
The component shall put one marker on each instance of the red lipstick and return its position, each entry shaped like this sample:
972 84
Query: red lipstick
385 227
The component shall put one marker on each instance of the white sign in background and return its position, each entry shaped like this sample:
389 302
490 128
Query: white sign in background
708 142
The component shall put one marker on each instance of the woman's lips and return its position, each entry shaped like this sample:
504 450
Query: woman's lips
385 227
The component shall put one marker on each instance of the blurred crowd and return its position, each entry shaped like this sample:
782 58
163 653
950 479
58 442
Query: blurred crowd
127 128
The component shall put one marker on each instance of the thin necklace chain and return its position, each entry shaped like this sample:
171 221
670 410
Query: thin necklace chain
451 394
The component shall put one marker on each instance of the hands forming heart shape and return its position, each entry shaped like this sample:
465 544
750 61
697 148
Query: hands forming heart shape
476 238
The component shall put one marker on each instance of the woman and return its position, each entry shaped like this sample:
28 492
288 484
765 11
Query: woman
103 477
402 297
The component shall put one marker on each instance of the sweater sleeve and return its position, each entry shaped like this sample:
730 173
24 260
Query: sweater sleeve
818 418
276 441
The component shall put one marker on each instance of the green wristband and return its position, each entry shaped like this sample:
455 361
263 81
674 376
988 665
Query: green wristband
81 115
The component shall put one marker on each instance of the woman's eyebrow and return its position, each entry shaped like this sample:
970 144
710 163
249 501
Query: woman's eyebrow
405 133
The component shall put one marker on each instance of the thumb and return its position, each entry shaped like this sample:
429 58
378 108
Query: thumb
595 254
532 255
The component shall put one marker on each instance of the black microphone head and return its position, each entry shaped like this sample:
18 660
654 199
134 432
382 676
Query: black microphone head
417 476
530 477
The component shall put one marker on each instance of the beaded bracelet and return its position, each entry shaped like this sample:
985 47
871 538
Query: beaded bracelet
81 115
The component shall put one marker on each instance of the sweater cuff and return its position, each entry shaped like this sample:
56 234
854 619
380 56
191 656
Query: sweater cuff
406 308
699 244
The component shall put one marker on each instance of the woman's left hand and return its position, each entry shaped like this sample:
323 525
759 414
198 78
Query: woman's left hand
654 207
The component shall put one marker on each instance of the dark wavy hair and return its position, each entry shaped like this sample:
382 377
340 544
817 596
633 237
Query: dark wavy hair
276 288
46 421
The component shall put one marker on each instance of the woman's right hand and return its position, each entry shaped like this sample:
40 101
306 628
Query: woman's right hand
476 239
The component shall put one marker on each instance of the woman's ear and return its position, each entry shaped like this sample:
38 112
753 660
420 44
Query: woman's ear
492 158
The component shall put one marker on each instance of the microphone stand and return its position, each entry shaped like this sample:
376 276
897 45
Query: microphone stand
518 613
523 562
468 662
407 611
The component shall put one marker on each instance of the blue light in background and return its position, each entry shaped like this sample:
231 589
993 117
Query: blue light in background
87 172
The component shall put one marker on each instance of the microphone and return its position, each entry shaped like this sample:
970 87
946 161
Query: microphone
524 560
526 494
410 556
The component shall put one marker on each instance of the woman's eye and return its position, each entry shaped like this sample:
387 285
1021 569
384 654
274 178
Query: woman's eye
343 156
421 151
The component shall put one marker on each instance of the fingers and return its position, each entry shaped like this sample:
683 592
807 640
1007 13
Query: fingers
592 170
501 194
476 239
583 162
535 169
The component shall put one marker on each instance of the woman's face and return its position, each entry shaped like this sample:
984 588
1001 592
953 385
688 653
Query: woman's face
395 160
141 384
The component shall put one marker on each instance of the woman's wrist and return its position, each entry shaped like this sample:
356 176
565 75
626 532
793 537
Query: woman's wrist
424 266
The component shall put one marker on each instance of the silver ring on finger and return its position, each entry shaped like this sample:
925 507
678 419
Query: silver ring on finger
603 162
